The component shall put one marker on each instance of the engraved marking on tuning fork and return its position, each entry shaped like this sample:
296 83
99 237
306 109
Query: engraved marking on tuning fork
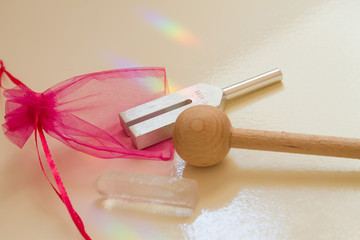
159 112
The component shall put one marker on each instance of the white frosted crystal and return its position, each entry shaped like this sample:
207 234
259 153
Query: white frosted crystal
156 194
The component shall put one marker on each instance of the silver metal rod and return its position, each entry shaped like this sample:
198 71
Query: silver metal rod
253 83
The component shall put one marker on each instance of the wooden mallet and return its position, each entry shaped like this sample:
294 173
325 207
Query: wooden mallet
203 137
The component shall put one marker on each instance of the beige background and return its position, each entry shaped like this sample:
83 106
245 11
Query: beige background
252 194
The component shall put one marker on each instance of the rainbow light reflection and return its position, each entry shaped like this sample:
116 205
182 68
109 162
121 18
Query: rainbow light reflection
123 226
118 61
154 84
169 28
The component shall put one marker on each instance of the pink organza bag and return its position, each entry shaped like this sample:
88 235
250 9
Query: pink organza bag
82 112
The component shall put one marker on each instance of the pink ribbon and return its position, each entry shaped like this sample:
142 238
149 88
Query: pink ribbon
39 130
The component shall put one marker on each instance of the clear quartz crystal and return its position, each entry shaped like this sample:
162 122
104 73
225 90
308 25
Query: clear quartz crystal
157 194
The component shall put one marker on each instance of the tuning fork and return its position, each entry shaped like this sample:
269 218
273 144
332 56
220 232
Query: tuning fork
153 122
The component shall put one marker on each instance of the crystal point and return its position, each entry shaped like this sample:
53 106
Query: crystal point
172 193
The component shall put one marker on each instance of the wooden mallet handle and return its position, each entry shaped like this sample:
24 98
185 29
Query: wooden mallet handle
295 143
203 136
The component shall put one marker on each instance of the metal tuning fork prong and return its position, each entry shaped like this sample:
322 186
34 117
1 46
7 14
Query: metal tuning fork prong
153 122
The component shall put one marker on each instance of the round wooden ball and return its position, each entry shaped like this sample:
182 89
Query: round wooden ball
202 135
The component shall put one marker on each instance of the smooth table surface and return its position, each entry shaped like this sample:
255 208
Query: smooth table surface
250 195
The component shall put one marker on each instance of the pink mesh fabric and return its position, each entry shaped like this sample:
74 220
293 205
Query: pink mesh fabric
83 112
